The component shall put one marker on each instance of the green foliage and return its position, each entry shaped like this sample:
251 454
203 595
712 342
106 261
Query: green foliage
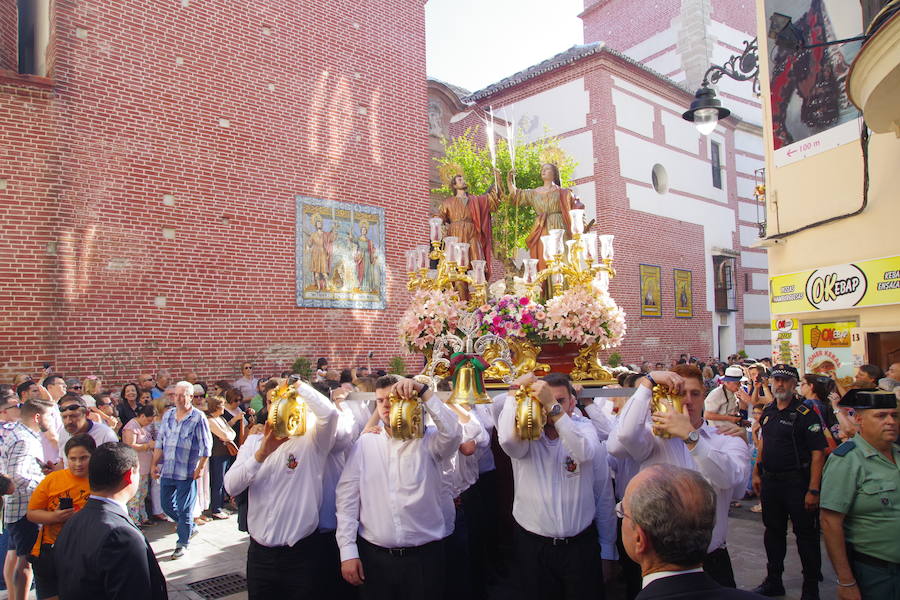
397 366
302 367
615 359
511 224
742 353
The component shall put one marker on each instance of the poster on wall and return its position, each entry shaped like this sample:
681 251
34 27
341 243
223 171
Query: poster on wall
827 350
810 110
651 291
786 342
340 254
684 294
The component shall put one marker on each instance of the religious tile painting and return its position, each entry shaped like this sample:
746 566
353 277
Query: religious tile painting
651 291
684 294
340 254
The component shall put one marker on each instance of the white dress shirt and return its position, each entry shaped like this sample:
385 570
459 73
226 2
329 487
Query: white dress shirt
600 413
487 415
286 489
392 491
648 579
52 452
554 479
723 460
461 471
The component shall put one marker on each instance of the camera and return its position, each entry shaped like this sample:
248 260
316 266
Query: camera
65 503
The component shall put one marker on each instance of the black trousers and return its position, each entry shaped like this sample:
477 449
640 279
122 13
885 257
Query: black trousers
285 572
569 571
717 565
479 504
413 574
782 499
333 584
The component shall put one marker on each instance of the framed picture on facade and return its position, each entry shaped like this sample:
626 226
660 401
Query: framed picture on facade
651 291
684 294
340 254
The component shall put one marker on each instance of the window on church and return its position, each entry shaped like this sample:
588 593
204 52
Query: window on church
715 161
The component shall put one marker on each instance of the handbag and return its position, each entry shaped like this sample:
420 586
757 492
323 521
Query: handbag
231 447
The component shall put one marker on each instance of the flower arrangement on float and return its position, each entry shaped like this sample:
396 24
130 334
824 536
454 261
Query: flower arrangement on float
431 313
511 316
584 317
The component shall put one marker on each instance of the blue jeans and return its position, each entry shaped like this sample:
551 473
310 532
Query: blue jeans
178 497
218 465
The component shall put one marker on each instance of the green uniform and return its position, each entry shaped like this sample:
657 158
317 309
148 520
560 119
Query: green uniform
862 484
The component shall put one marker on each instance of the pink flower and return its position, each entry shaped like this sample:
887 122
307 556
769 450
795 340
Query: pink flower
524 300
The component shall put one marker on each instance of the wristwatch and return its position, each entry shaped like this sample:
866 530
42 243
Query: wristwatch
692 438
813 492
555 411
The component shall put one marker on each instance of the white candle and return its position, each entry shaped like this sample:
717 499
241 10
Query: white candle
548 250
606 247
450 248
423 252
434 225
556 240
462 254
478 271
530 270
589 240
569 245
576 216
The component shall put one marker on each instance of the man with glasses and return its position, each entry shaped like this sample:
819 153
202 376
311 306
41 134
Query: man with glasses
74 413
145 383
246 383
9 405
183 445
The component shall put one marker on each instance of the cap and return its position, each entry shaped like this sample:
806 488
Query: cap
863 399
784 371
198 389
70 381
733 374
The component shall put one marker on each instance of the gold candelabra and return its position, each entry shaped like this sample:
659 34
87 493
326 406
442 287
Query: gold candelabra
571 266
449 273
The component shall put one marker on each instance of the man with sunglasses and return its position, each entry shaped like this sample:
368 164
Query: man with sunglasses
74 413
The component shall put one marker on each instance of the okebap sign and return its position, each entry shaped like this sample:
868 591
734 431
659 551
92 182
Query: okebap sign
866 283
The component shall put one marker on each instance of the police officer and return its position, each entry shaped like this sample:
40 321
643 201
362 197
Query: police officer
861 502
787 478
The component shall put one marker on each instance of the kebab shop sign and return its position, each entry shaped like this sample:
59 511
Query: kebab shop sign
867 283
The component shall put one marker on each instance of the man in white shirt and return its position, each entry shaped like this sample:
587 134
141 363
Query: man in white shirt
74 413
723 403
723 460
392 502
563 497
284 477
246 383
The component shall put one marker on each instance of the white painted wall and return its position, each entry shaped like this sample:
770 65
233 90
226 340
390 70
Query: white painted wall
754 260
554 111
749 235
758 350
680 133
756 308
759 281
633 114
581 148
747 212
757 334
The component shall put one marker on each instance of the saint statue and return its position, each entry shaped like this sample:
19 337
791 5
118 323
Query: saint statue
319 246
468 217
550 202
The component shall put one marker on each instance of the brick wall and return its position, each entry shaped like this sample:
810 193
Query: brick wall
206 118
623 23
640 237
9 20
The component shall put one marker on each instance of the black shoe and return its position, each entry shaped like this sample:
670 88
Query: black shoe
810 591
770 587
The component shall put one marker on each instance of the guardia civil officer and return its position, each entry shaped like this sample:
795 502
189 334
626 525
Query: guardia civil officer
861 502
787 479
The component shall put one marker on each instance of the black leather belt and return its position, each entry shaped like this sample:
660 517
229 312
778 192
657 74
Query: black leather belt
561 541
803 471
400 552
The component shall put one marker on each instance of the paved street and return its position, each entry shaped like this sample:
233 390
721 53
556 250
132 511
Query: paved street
220 549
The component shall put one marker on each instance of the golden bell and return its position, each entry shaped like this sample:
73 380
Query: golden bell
530 418
287 412
407 417
658 403
465 388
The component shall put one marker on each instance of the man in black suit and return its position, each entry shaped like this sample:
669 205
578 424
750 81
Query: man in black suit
105 556
667 516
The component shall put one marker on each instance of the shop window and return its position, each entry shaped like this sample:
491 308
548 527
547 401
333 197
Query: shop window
726 294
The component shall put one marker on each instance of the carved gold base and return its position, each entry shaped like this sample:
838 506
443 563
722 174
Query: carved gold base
589 366
524 359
